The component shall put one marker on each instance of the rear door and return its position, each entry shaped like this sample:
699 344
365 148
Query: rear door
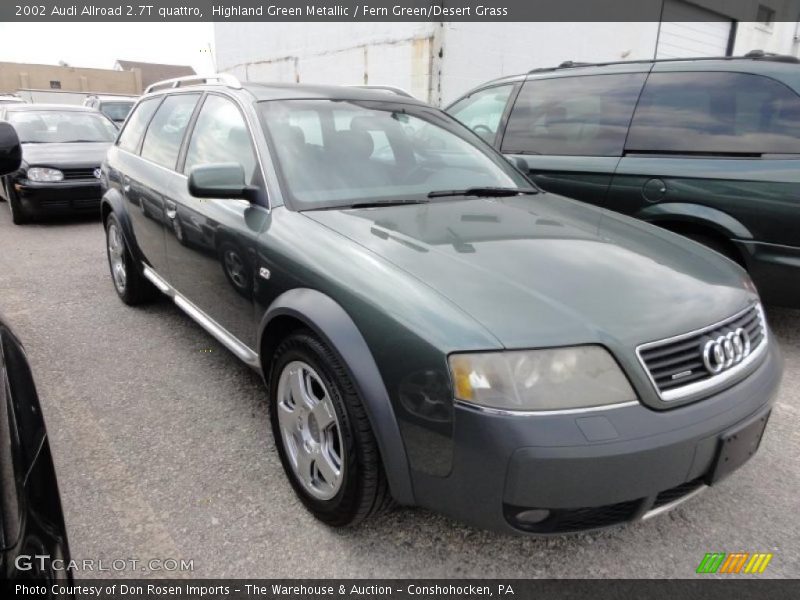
570 129
154 179
719 148
211 243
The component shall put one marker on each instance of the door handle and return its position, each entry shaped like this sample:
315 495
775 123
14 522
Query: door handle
172 213
126 189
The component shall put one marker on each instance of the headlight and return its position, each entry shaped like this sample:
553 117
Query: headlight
44 174
533 380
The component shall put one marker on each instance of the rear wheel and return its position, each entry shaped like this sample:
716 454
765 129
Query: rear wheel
322 433
131 286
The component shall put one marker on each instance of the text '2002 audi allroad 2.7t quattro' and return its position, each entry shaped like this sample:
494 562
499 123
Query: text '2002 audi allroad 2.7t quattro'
433 329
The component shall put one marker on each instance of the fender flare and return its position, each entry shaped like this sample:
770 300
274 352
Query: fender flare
113 201
329 320
696 214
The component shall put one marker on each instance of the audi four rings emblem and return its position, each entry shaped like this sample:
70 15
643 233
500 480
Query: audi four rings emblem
726 350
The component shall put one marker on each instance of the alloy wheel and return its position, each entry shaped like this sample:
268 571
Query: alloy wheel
116 257
310 430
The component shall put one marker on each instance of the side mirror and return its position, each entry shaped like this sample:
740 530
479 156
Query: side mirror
222 180
10 150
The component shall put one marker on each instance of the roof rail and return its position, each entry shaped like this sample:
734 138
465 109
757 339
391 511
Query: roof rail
221 78
385 88
752 55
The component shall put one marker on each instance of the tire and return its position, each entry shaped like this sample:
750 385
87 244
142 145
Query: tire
302 362
19 216
131 286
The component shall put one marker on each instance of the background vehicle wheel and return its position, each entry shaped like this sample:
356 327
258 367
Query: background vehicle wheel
19 215
131 285
322 433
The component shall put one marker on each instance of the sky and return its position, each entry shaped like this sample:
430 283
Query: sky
99 45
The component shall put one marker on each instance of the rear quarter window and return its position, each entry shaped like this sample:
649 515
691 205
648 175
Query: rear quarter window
715 113
580 116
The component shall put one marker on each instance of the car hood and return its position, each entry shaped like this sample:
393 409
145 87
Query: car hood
542 270
62 155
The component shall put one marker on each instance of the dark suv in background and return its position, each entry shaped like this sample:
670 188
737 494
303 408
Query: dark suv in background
708 148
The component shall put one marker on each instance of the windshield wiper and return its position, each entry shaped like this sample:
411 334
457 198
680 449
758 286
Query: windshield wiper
379 203
483 192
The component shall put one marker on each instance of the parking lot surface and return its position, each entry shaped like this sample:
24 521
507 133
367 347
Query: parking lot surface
163 451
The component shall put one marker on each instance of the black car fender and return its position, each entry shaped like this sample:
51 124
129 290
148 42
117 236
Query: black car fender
112 201
329 320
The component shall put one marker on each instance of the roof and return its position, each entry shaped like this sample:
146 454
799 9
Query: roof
25 107
297 91
152 72
113 98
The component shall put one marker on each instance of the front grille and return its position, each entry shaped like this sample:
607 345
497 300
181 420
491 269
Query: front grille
578 519
82 173
678 362
677 492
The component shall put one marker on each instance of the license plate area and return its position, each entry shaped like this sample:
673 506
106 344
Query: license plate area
736 446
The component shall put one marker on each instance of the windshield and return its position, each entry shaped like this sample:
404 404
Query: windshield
116 111
339 153
51 126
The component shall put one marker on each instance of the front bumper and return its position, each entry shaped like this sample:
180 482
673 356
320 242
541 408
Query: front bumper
593 469
59 197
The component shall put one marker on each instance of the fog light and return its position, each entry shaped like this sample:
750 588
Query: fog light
535 515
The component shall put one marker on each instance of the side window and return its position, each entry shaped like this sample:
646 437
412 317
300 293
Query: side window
132 134
162 142
483 110
582 116
715 113
220 135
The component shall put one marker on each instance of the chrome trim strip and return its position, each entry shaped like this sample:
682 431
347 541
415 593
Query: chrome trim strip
227 339
542 413
715 381
675 503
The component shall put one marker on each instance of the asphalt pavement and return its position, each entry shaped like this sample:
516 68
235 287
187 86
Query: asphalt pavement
163 451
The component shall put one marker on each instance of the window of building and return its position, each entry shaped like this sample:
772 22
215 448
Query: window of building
55 84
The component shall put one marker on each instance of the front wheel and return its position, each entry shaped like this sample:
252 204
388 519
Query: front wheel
322 433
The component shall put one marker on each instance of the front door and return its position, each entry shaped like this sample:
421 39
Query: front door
211 242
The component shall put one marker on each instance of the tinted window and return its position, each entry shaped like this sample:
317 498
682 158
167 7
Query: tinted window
220 135
50 126
132 134
483 110
716 113
585 116
162 142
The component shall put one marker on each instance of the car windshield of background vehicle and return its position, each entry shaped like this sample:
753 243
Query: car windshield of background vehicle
576 116
49 126
715 113
483 110
339 153
116 111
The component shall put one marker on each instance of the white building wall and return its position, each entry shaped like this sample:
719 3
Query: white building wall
778 38
346 54
477 52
